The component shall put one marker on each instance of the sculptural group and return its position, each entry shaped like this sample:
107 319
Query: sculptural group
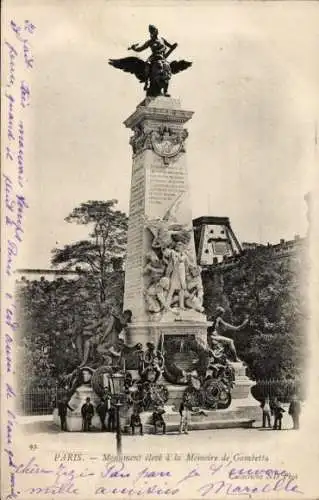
156 71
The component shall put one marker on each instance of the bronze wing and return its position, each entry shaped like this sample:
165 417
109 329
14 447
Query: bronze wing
177 66
132 65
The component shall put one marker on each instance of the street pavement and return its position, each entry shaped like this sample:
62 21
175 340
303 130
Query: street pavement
41 430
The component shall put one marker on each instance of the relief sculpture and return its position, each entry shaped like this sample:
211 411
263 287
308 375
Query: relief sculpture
173 279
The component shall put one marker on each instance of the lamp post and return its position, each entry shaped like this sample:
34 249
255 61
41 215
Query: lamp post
118 387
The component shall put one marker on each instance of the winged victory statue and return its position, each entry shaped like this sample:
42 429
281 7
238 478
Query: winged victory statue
156 71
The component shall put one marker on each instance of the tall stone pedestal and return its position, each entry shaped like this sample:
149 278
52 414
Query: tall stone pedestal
160 207
159 203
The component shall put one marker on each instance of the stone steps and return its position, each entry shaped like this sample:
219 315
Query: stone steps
199 426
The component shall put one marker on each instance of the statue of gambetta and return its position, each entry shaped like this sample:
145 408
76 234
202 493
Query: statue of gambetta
156 71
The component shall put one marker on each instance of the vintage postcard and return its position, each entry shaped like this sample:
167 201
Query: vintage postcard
158 234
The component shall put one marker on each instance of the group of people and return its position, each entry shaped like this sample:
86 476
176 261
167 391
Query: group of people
273 409
105 409
157 420
272 414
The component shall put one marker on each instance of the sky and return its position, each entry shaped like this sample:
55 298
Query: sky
253 88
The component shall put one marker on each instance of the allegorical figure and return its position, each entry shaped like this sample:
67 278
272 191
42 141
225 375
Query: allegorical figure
158 47
156 295
156 71
154 267
218 324
108 329
177 267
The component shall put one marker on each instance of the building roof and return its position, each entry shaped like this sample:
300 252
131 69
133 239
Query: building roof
209 219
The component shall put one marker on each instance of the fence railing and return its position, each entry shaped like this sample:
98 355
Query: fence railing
41 401
283 389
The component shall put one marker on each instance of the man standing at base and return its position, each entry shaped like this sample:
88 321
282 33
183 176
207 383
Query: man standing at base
278 414
294 411
158 419
63 408
111 418
265 406
87 412
136 422
184 411
102 409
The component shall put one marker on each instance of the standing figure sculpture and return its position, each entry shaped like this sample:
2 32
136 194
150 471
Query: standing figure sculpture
177 263
156 71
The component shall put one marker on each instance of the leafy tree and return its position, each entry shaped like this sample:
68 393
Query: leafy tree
52 314
272 292
104 250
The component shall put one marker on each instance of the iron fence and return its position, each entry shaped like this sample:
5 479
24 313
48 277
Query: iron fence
39 401
283 389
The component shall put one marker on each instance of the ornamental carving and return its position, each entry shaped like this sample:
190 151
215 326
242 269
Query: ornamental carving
141 139
165 142
168 143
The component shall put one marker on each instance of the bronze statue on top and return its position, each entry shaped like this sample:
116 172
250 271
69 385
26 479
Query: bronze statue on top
156 72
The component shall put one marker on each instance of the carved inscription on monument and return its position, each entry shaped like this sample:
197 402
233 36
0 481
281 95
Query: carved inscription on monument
134 263
165 184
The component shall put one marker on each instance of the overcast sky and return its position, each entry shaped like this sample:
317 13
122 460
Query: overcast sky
253 88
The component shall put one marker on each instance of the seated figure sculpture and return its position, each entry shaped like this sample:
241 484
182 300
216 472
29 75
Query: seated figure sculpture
105 333
215 336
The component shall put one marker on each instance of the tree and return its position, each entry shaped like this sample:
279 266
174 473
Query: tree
104 250
271 293
52 315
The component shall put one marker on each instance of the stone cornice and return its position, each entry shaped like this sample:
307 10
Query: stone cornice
154 111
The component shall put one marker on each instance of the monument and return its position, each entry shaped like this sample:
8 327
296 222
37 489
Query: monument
166 357
163 286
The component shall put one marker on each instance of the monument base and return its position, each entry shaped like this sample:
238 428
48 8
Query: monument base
155 332
238 415
243 411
